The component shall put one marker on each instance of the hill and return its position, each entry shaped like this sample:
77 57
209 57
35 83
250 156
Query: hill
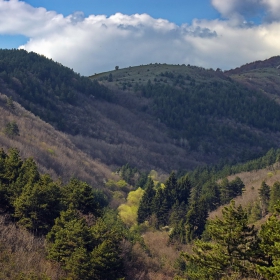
207 112
52 150
156 116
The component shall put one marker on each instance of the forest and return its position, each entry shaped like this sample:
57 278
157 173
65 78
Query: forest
86 238
156 172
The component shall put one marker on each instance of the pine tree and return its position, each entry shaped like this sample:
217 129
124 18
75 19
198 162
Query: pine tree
196 219
10 103
81 195
145 209
38 205
69 243
274 195
11 129
270 244
183 189
170 190
236 187
233 250
264 194
225 191
106 262
178 233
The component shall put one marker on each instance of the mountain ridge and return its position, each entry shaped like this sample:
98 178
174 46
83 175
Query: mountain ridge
156 116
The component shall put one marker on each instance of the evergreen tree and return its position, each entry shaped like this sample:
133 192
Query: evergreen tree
10 103
183 189
163 213
211 193
225 191
270 244
11 129
236 187
145 209
70 242
264 194
274 195
196 219
178 233
178 213
81 195
233 250
170 190
38 205
13 164
106 262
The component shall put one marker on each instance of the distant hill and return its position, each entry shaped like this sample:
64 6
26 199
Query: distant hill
207 111
156 116
273 62
53 151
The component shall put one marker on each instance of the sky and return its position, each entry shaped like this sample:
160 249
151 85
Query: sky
93 36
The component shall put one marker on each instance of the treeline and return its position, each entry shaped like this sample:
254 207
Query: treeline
204 174
83 236
184 203
222 248
41 84
184 206
234 249
213 113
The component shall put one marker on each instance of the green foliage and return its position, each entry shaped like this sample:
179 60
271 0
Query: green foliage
128 211
233 250
229 190
178 233
85 252
196 219
133 176
274 195
38 205
10 103
68 233
11 129
254 212
106 262
42 86
270 235
264 194
193 111
36 200
145 209
81 195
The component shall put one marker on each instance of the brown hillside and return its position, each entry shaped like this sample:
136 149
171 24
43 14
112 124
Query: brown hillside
53 151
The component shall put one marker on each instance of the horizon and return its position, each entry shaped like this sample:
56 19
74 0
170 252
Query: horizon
92 37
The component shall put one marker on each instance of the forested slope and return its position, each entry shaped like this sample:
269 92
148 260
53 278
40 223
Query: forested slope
206 111
154 116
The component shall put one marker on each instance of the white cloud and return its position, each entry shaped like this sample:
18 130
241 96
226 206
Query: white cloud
269 9
98 43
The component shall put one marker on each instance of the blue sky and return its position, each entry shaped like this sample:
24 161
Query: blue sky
92 36
178 11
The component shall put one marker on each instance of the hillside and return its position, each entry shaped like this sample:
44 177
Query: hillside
108 126
53 151
263 76
157 116
208 112
154 255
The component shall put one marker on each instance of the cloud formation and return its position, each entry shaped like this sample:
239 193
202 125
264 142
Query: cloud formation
98 43
269 10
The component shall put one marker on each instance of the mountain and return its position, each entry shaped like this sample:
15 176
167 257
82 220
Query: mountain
153 116
215 114
157 116
52 150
